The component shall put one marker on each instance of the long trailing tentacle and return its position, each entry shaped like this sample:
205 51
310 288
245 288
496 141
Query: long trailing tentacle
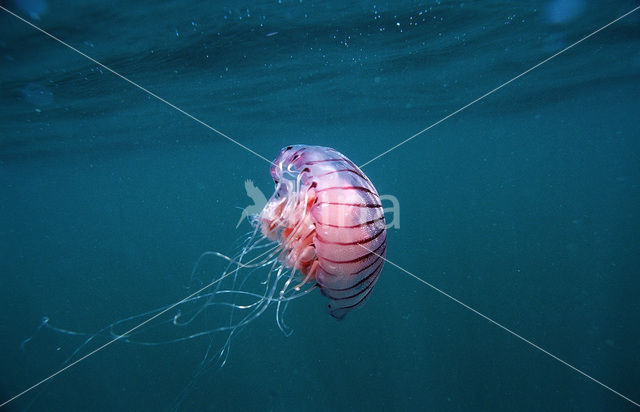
254 279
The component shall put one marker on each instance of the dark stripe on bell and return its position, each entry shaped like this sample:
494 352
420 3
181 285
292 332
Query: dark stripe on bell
357 242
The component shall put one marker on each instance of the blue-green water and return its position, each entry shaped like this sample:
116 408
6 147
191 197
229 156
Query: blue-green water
524 206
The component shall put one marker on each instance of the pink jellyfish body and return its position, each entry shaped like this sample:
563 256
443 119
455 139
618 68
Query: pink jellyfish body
327 217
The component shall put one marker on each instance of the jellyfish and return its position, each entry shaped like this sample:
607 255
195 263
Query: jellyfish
323 228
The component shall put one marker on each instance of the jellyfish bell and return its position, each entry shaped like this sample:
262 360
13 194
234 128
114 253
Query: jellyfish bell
327 217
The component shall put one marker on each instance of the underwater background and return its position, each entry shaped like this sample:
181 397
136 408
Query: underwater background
524 206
